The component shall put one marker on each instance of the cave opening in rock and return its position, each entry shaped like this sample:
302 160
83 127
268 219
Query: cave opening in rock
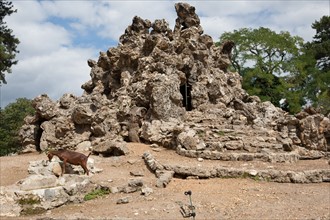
38 134
111 152
185 91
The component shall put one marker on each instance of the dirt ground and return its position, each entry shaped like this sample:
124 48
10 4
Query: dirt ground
212 198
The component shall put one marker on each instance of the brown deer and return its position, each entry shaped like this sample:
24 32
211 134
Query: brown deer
71 157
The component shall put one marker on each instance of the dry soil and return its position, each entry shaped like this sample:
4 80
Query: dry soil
212 198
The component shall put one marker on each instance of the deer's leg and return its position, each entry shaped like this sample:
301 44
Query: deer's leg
84 166
63 168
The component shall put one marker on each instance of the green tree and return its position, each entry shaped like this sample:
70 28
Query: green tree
318 91
8 42
298 80
264 58
11 120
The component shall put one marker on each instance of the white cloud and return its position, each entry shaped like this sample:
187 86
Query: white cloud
293 16
27 11
111 16
119 14
297 17
215 26
85 11
36 35
48 60
40 39
62 71
227 8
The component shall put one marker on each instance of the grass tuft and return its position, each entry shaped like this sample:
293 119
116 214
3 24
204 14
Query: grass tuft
96 193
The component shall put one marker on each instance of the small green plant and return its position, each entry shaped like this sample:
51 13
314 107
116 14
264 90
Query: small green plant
221 133
96 193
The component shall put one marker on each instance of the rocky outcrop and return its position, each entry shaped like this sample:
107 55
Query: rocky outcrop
43 189
172 88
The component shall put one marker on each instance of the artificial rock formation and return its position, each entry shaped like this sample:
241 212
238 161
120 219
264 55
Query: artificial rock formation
172 88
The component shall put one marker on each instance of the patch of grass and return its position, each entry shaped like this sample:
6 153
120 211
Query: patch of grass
247 175
255 178
221 133
200 133
228 177
33 211
96 193
29 204
30 200
267 179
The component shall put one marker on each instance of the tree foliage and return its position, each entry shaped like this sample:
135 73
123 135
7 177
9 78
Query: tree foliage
264 58
311 70
318 91
321 42
11 120
8 42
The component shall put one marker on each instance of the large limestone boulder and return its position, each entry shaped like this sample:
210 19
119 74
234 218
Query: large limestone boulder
45 189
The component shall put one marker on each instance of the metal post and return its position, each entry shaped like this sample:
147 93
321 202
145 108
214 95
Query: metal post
192 212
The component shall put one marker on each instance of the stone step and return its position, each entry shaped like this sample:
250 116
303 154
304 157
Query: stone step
267 156
220 171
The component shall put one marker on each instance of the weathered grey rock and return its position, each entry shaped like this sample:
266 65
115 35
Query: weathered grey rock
37 182
114 189
45 107
45 168
135 183
136 173
8 203
57 169
123 200
82 114
164 178
133 186
111 148
191 171
313 129
151 162
187 18
42 192
162 132
67 100
84 146
146 191
27 134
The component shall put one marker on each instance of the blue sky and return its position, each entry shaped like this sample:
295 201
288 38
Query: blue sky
58 37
